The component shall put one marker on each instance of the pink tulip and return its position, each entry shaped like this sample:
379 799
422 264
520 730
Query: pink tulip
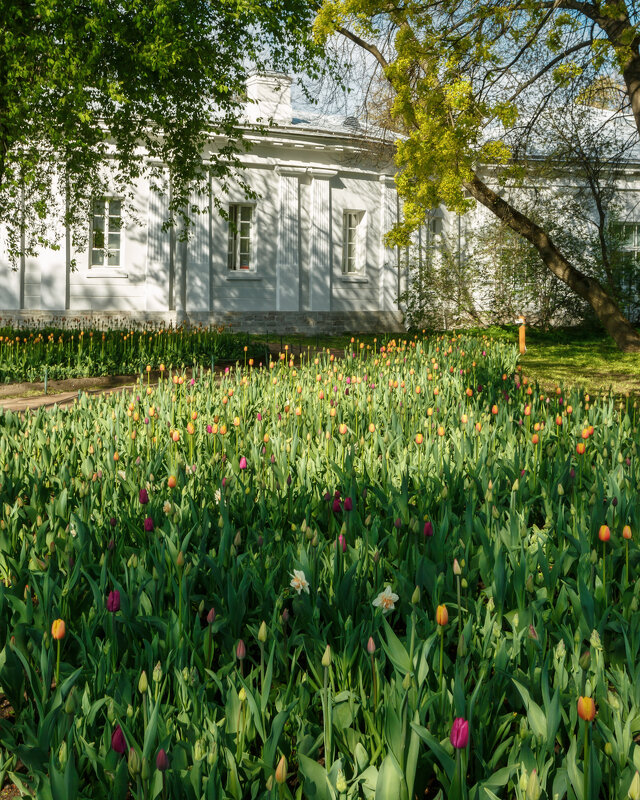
460 733
243 462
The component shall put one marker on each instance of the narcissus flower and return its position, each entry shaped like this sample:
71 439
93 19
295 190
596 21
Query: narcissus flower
460 733
386 600
299 581
586 709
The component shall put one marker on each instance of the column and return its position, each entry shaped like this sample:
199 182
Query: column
198 273
158 252
288 257
388 288
320 241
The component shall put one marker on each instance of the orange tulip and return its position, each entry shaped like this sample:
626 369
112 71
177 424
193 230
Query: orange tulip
604 534
58 629
626 532
586 709
442 615
580 448
419 438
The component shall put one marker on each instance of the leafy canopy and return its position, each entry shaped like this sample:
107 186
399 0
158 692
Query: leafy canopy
86 84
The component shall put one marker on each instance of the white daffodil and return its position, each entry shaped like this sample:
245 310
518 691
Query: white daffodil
299 582
386 600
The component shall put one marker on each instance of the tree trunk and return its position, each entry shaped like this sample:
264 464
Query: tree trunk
605 307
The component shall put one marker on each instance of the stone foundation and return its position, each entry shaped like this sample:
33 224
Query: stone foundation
310 323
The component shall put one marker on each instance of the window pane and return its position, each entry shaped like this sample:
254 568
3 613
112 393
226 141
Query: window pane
114 208
98 238
114 258
114 241
97 258
246 214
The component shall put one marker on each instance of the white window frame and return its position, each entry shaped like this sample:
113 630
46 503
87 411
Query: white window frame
359 245
632 250
234 269
106 269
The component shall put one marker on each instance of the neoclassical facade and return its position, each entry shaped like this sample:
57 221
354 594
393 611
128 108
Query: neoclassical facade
306 253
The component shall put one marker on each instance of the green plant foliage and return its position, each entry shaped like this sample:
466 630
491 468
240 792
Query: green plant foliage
73 353
93 93
248 570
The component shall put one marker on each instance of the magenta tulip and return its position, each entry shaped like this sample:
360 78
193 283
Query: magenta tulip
144 497
148 524
460 733
243 462
162 761
118 742
113 601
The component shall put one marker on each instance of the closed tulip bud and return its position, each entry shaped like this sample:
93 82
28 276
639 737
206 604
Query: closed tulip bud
211 616
180 560
415 597
162 760
326 658
529 583
341 783
70 705
533 787
524 780
456 567
262 632
118 743
58 629
634 789
371 646
242 695
198 750
626 532
269 783
585 660
586 709
143 683
463 583
462 647
145 771
241 650
442 615
157 673
560 490
406 683
134 762
608 749
129 711
604 534
111 711
281 771
62 753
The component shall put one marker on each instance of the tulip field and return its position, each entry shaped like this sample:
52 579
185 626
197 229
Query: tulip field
400 574
80 352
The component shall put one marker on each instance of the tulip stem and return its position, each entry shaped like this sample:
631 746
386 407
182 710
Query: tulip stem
375 685
626 563
586 761
441 664
604 573
58 665
459 607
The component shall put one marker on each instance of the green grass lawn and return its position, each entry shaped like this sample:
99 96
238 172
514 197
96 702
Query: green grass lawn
578 356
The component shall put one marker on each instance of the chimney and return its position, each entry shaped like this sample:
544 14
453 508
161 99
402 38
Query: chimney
269 95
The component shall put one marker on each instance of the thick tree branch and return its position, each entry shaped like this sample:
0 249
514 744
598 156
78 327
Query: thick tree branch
370 48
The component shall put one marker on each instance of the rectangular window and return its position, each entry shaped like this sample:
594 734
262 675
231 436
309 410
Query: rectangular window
106 233
240 249
627 266
353 251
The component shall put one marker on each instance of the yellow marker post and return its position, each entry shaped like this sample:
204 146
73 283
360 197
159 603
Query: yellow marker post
522 336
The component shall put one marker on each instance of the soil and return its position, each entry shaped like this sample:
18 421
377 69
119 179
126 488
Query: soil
24 396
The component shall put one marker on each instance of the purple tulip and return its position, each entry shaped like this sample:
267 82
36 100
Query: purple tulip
118 742
112 522
348 504
148 524
428 528
144 497
336 506
162 761
113 601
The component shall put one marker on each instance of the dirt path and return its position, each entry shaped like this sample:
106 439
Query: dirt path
20 397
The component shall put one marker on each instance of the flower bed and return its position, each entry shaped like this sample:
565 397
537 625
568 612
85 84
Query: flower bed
402 572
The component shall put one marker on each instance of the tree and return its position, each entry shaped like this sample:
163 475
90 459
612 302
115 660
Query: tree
95 86
470 83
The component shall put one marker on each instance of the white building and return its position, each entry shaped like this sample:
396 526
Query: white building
307 253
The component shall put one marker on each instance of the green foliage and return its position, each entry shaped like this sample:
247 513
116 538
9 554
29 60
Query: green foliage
531 627
75 353
94 93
